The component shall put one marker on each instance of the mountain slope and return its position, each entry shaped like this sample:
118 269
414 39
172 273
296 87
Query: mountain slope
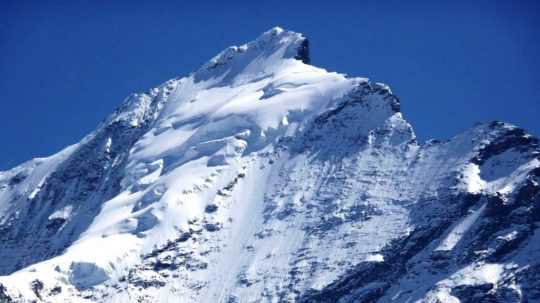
262 178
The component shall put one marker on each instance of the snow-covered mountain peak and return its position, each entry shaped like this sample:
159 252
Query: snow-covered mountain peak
274 52
259 57
261 178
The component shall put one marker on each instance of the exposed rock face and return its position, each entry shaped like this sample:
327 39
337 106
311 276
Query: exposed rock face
260 178
303 52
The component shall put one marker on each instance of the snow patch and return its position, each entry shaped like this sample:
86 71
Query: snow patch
375 258
63 213
471 177
460 229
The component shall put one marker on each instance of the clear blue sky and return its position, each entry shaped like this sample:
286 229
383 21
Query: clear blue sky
65 65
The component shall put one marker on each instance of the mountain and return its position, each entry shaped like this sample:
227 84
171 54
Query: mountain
262 178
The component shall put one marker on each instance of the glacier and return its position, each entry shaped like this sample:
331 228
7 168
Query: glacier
262 178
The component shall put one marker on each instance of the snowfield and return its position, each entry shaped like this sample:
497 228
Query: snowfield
261 178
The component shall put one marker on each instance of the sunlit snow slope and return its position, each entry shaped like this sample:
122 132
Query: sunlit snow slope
261 178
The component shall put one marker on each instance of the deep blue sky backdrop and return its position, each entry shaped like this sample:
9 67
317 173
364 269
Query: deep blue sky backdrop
65 65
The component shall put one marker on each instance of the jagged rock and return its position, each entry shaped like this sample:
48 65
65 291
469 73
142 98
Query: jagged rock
211 208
